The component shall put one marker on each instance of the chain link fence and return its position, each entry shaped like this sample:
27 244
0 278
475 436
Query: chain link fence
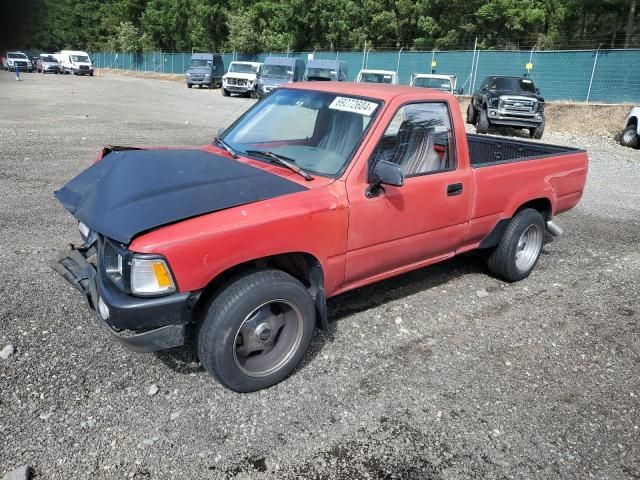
603 76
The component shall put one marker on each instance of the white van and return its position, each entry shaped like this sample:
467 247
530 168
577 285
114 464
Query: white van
75 61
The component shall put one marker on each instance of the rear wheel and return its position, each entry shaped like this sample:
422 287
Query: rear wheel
472 115
520 247
257 330
483 122
629 137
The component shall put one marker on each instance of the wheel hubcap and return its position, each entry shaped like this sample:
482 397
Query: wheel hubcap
528 249
267 338
629 136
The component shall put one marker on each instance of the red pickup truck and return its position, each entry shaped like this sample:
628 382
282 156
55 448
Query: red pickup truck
318 189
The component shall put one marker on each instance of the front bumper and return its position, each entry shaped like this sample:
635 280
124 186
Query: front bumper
142 324
499 116
200 81
82 71
238 88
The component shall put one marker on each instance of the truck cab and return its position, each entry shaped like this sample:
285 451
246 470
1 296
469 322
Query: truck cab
241 78
446 83
205 69
13 60
378 76
277 71
507 102
326 70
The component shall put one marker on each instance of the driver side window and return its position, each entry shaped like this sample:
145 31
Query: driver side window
419 139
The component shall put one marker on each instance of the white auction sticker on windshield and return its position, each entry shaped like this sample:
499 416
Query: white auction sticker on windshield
354 105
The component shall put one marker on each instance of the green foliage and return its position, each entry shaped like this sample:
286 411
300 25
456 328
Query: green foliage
279 25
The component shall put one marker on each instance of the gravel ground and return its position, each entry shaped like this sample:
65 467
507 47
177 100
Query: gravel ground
424 376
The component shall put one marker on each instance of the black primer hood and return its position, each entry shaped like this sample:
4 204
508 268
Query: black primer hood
133 191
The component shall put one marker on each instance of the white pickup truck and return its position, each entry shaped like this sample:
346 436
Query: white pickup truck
630 136
17 59
378 76
446 83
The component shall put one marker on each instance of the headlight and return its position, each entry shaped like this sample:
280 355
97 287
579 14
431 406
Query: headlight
151 276
188 75
206 75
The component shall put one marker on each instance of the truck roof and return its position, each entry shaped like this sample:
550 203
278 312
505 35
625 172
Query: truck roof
378 91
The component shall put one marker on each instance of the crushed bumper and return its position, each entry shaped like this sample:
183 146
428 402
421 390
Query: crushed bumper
162 319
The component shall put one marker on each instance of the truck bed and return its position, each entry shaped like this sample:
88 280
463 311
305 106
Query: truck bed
485 151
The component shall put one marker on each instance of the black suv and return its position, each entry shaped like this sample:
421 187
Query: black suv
509 102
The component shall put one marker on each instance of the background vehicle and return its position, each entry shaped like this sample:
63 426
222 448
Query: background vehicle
256 233
242 78
509 102
446 83
17 59
377 76
76 62
327 70
47 63
205 69
277 71
630 136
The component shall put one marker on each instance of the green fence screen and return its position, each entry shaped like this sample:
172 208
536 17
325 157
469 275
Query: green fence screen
606 76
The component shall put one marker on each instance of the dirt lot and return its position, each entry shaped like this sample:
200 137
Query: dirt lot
422 378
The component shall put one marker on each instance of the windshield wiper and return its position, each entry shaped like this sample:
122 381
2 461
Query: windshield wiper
224 145
282 160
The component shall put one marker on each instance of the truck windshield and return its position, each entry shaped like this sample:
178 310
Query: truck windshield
513 84
439 83
376 77
322 74
243 68
17 55
199 63
48 58
317 131
277 71
79 58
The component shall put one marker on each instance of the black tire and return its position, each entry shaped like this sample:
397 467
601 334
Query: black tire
472 114
503 261
91 74
221 336
629 137
225 92
483 122
253 94
189 85
537 131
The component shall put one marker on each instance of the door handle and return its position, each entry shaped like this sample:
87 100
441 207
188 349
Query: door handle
454 189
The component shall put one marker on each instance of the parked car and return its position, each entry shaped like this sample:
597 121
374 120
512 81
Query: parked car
378 76
326 70
507 101
17 59
319 189
205 69
446 83
277 71
76 62
242 78
630 136
47 63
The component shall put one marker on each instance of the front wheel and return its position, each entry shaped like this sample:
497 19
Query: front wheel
225 92
472 114
483 122
257 330
537 131
629 137
520 247
189 85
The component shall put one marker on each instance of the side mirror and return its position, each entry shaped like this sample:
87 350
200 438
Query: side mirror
538 91
460 91
384 173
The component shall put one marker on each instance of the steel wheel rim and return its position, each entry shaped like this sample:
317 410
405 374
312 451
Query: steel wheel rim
528 248
267 338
